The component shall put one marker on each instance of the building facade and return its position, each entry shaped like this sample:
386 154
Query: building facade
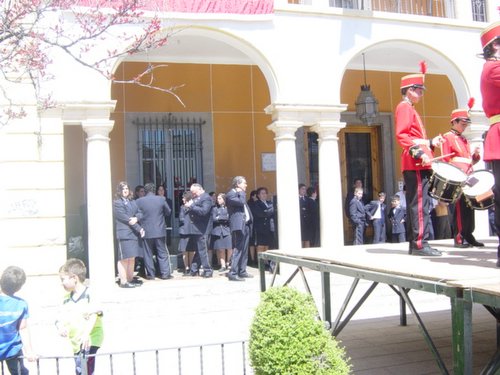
268 96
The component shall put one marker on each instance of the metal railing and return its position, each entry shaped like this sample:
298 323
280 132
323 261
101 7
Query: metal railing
230 358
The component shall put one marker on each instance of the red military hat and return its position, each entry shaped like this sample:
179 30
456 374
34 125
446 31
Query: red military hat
462 113
415 80
490 34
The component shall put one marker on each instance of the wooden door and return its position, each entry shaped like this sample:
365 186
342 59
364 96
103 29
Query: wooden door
359 149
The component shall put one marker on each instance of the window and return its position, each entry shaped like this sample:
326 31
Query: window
478 10
170 153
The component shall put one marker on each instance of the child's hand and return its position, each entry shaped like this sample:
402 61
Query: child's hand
30 356
85 344
63 332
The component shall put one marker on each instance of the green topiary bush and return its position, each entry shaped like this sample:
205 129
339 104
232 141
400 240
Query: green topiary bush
287 338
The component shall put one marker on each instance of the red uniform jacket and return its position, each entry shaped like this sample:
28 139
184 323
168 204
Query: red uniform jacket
410 133
490 91
459 146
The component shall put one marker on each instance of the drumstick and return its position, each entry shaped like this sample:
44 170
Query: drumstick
438 158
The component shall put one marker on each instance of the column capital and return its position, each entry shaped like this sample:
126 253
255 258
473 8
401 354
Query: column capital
285 129
97 130
328 130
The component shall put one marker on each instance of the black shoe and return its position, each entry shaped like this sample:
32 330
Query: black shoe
149 277
207 274
476 243
127 286
235 278
461 245
222 269
166 277
194 274
246 275
427 251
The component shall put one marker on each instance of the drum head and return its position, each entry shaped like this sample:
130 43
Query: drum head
448 172
478 183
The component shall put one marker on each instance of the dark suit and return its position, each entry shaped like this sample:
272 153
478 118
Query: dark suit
152 212
308 218
241 226
200 226
397 217
123 211
220 218
357 215
378 223
263 223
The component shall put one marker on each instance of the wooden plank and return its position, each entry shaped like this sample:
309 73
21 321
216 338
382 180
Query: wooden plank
463 264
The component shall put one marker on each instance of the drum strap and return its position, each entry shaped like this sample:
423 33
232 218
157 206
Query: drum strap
494 119
421 142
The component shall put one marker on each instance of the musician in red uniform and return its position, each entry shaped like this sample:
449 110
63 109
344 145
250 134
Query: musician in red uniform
457 146
416 163
490 91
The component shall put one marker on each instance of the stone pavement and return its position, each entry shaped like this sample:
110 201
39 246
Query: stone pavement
194 311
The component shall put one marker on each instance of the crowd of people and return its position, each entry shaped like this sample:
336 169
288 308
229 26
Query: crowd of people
223 231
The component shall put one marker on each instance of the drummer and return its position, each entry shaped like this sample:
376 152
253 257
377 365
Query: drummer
490 91
416 163
461 157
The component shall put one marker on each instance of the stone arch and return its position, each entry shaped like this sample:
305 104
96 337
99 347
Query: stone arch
236 48
407 54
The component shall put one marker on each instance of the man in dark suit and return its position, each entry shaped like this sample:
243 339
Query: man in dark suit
240 223
375 210
397 217
357 215
199 210
152 212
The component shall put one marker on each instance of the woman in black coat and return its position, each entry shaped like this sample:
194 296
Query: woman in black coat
128 232
221 234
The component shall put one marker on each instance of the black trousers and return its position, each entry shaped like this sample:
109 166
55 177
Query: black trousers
239 259
156 246
418 208
495 166
464 222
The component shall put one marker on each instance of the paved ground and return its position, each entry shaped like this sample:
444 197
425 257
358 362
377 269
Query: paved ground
193 311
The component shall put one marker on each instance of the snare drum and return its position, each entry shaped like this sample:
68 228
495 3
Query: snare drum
446 182
478 190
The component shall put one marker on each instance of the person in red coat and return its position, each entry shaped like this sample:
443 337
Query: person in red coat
490 91
457 146
416 163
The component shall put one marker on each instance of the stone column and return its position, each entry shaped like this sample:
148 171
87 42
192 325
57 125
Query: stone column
330 187
99 207
474 135
287 183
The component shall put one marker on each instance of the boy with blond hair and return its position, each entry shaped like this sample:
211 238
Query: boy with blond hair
79 320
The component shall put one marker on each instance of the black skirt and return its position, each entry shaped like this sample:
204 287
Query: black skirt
221 243
128 249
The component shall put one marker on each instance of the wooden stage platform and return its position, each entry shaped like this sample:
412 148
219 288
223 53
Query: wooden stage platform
466 276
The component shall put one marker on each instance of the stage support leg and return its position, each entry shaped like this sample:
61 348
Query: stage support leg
461 324
402 312
262 273
326 297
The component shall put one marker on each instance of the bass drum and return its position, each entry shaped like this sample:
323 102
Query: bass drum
478 190
446 182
